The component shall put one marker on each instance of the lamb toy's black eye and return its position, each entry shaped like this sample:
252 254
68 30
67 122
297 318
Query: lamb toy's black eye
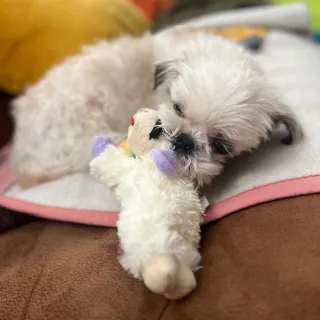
156 131
218 147
177 109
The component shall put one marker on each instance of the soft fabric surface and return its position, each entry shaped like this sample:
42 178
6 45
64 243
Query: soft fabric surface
294 17
276 171
261 263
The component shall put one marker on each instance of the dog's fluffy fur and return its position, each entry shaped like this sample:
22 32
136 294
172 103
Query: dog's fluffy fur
206 87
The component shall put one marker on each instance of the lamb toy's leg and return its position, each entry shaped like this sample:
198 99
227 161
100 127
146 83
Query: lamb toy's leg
165 274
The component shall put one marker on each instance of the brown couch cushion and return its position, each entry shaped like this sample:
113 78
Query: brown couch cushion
260 263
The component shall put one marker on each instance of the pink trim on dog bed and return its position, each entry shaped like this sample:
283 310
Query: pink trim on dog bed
265 193
269 192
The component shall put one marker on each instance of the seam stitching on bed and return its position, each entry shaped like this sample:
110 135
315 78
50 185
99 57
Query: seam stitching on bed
164 310
26 308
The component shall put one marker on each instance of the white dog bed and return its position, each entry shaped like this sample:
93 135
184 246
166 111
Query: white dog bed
276 171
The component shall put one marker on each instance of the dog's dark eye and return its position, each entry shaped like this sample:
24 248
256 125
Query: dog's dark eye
177 109
218 147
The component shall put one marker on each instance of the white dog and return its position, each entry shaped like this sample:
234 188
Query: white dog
214 103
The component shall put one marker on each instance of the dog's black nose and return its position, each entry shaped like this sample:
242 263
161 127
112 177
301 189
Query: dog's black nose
183 144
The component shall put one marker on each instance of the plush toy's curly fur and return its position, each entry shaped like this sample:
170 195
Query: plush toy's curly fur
159 222
159 219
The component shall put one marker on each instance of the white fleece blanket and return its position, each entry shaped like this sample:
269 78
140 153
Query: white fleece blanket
275 171
291 17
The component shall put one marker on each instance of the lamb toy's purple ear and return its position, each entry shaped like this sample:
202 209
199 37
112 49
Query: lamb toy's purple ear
99 144
165 161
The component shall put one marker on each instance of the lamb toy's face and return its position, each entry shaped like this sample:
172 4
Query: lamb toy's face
145 133
145 137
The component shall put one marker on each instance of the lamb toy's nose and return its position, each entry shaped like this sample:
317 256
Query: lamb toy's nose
132 121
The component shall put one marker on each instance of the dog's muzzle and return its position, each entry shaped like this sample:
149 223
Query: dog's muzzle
183 144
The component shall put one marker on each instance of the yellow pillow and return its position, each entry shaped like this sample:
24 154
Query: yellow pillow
36 34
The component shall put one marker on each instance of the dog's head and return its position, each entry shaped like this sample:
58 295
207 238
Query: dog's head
217 105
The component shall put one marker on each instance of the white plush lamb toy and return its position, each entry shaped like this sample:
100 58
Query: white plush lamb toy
161 212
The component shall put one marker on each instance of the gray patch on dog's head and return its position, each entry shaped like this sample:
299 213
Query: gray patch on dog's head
163 72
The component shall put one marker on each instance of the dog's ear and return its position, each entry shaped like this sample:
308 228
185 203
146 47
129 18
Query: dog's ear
281 113
164 71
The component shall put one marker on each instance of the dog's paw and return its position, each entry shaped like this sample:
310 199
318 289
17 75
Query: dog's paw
100 143
164 274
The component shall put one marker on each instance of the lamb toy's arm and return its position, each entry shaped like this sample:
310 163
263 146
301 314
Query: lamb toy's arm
110 164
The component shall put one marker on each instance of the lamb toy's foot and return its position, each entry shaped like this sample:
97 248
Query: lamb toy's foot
164 274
